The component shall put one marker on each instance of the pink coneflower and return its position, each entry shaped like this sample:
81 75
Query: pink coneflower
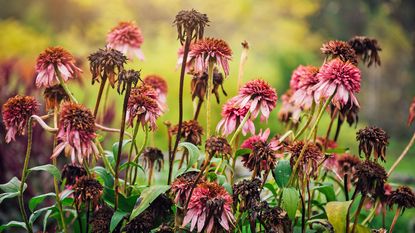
261 136
302 81
16 113
210 50
189 65
143 105
339 78
260 96
232 116
182 186
210 209
76 132
159 84
51 59
126 37
288 111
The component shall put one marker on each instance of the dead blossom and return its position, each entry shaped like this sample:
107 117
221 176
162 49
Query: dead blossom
153 156
366 48
246 193
127 77
403 197
101 220
182 185
218 146
54 95
263 157
347 164
191 132
370 178
339 49
312 157
373 139
190 23
87 190
72 172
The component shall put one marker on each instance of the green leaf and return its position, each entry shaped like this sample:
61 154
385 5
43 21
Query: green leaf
183 170
115 147
271 188
110 157
328 191
194 153
242 152
211 176
105 176
116 219
336 213
45 219
126 204
52 169
133 164
290 199
228 188
338 150
221 179
361 229
37 213
35 201
282 173
11 189
12 224
147 197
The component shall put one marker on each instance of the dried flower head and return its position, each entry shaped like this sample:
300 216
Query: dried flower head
143 106
199 85
182 186
16 113
190 23
191 132
367 48
127 77
370 178
106 63
347 164
339 49
210 50
87 190
165 228
232 116
218 146
246 193
54 95
302 81
403 197
411 116
289 112
160 85
338 78
144 222
263 157
51 61
311 159
259 95
373 138
76 132
72 172
210 209
218 82
348 112
153 156
102 219
274 219
127 38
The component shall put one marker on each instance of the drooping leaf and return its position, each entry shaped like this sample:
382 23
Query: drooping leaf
105 176
35 201
132 164
11 189
147 197
282 173
12 224
328 191
271 188
336 213
290 199
116 145
194 153
45 219
52 169
116 219
38 213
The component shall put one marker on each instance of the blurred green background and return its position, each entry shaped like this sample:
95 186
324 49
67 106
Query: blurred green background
281 34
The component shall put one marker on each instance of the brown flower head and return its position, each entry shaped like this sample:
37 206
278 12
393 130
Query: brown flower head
127 77
72 172
274 219
165 228
347 164
218 82
101 220
54 95
246 193
86 190
106 63
373 138
403 197
152 156
182 185
263 157
190 23
16 113
199 85
370 178
339 49
411 116
367 48
191 132
310 161
218 146
349 112
142 223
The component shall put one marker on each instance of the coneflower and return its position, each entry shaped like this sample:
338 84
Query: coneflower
310 160
87 190
289 112
370 178
366 48
339 49
16 113
302 81
52 60
232 116
102 220
152 158
246 193
182 185
159 84
127 38
191 132
218 146
54 95
373 138
72 172
403 198
274 219
190 23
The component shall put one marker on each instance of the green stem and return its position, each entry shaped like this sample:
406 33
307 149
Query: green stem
65 87
130 154
302 130
219 165
356 216
208 97
140 152
404 152
239 129
107 163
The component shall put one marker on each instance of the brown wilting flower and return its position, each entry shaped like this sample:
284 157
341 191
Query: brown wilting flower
87 190
127 77
51 61
160 85
311 159
411 116
349 112
142 223
72 173
190 23
218 82
218 146
54 95
153 156
339 49
76 132
288 111
16 113
106 63
370 178
127 38
367 48
165 228
274 219
246 193
346 164
199 85
327 143
403 197
182 186
373 138
191 132
101 220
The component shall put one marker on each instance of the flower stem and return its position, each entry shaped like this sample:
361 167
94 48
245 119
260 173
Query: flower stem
356 216
244 57
65 87
395 218
208 97
404 152
239 129
138 153
130 155
302 130
101 90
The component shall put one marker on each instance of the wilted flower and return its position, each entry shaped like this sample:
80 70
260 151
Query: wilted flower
190 23
348 112
126 37
274 219
367 48
142 223
288 111
311 158
182 186
339 49
152 155
347 164
199 85
16 113
143 106
210 209
160 85
72 173
403 197
127 78
210 50
106 63
191 132
218 146
259 95
102 220
302 81
411 116
327 143
246 193
76 132
232 116
54 95
370 178
339 78
52 60
373 138
87 190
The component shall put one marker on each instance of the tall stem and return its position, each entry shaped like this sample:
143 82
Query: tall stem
244 57
208 97
404 152
345 184
356 216
310 118
138 153
333 116
65 87
395 218
130 154
101 90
